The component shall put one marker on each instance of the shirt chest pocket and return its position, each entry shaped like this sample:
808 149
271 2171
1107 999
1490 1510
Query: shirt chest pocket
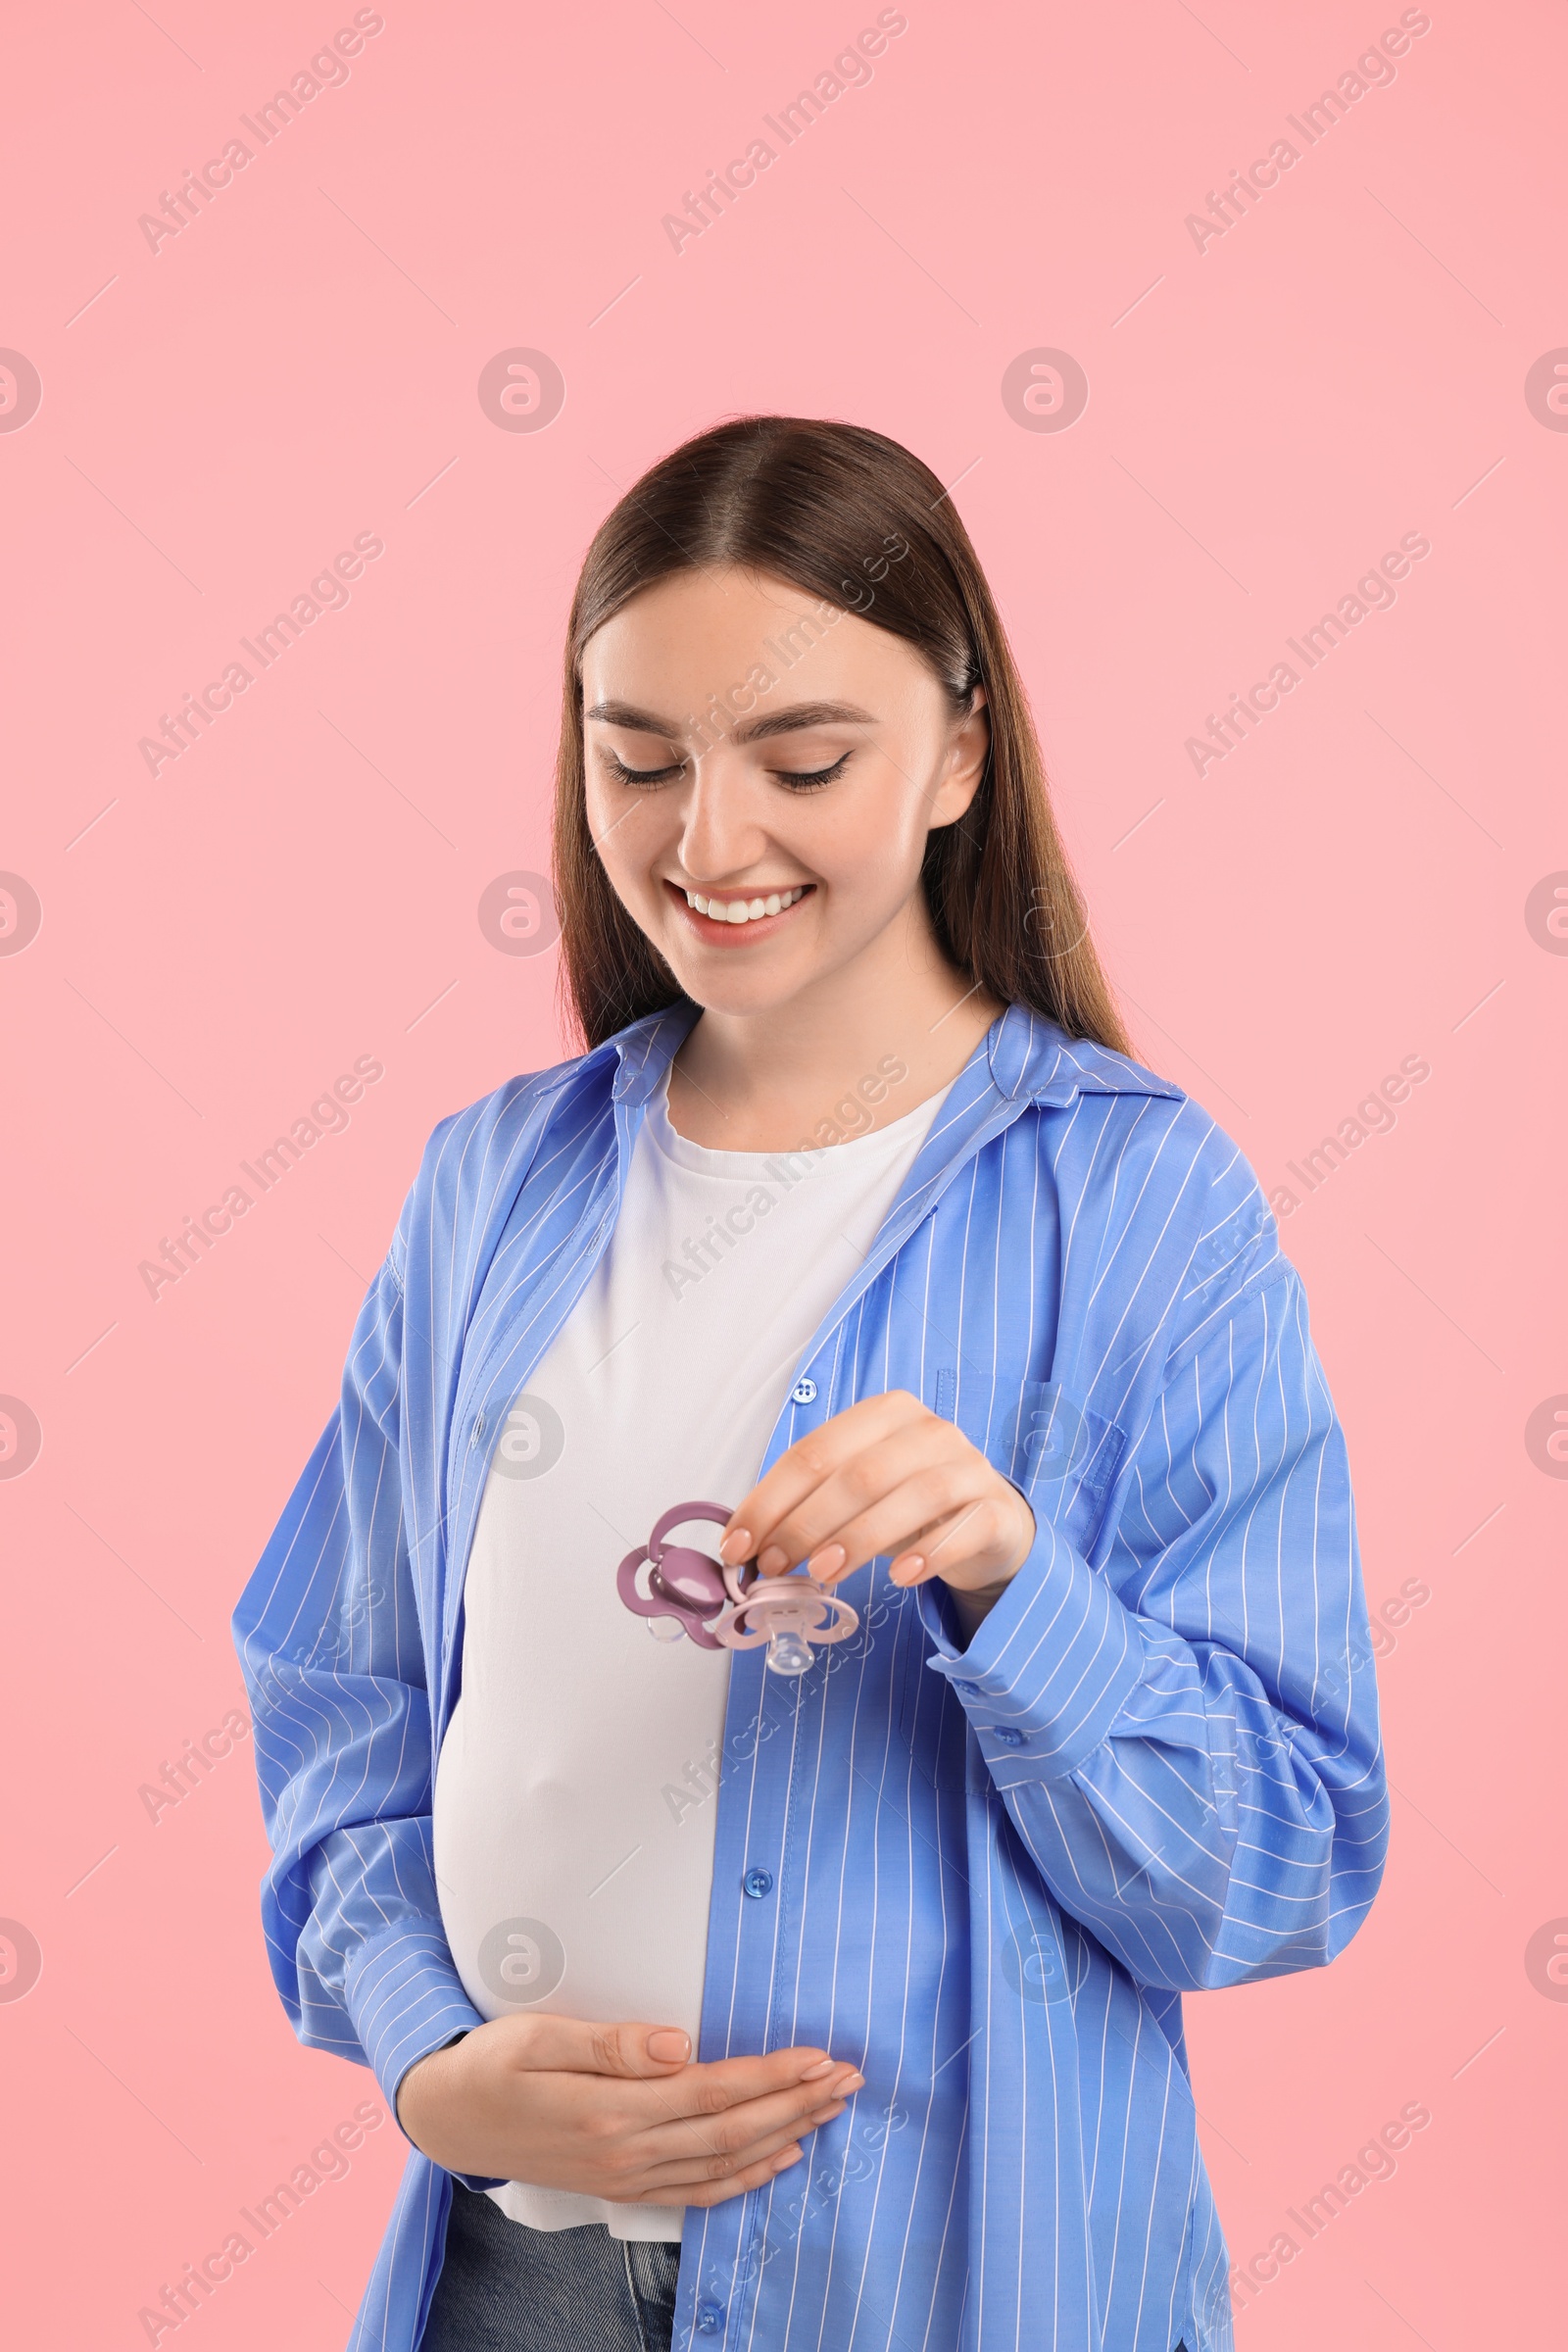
1063 1458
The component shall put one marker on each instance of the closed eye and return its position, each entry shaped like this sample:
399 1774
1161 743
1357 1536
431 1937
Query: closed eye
813 779
794 779
645 776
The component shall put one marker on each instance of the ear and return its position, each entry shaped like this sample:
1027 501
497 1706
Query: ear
968 747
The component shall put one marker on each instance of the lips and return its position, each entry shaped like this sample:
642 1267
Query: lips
745 910
727 918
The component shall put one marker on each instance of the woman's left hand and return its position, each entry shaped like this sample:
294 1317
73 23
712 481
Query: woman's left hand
885 1476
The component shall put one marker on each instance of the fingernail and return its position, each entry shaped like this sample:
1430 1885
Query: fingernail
853 2083
906 1569
736 1547
823 2066
670 2043
772 1559
826 1562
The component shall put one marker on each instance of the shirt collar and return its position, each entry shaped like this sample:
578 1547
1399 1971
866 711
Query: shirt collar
1030 1056
646 1049
1027 1056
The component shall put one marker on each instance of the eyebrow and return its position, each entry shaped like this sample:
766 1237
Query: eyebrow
776 723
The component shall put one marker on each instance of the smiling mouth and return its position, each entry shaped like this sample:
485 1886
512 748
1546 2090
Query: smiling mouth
738 912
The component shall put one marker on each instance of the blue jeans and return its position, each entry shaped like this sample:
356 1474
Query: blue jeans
505 2287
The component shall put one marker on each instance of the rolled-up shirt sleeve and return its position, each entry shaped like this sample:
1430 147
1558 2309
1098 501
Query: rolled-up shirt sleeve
1186 1734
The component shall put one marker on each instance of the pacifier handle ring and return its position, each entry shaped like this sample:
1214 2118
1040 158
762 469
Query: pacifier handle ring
738 1582
697 1622
677 1516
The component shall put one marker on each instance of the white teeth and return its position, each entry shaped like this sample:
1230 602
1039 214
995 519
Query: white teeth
744 911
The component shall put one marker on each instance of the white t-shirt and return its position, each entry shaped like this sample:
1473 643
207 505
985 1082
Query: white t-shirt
573 1811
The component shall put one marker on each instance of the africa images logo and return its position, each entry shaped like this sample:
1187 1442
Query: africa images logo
21 391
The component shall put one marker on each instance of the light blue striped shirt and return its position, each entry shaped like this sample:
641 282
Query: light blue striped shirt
992 1870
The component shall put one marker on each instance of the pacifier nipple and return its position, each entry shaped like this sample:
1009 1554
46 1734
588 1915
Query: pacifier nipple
789 1653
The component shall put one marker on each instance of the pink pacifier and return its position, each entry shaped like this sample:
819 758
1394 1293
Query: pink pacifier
720 1607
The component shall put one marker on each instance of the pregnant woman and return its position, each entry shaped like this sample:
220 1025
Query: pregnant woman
833 2011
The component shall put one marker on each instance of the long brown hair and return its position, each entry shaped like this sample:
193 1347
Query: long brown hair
823 505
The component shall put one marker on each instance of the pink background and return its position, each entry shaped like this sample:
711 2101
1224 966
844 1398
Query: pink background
298 364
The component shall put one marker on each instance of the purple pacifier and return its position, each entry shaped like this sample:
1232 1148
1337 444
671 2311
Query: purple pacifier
720 1607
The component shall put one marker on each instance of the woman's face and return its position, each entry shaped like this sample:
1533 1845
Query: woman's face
762 770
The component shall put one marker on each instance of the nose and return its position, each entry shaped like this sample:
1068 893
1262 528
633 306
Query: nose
720 837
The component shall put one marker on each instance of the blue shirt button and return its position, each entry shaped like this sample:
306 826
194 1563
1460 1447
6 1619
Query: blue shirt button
968 1689
758 1882
1006 1734
710 2318
804 1391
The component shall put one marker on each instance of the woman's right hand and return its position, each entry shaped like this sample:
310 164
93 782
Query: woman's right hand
615 2111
